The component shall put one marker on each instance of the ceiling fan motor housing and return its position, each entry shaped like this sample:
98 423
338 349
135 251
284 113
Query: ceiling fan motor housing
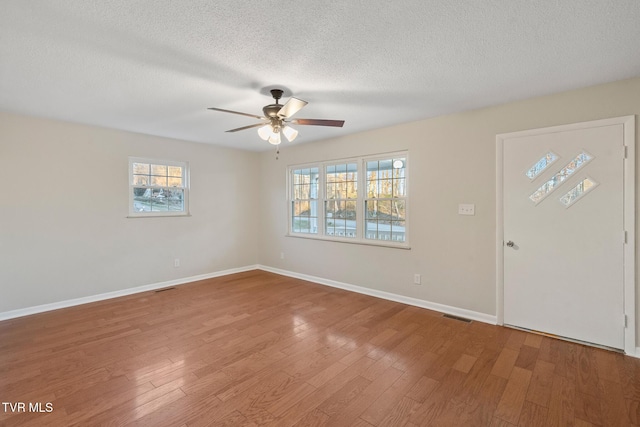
271 110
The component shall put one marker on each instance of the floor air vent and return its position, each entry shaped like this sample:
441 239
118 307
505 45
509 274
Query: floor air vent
461 319
165 289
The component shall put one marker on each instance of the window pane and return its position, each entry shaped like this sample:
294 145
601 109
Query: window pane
331 190
385 220
386 178
175 171
399 187
159 170
175 182
341 189
313 189
384 210
372 171
140 179
385 188
304 218
399 168
300 191
160 181
371 225
372 189
397 231
305 183
141 168
371 208
301 208
340 218
141 199
341 181
329 220
352 189
155 200
159 202
175 199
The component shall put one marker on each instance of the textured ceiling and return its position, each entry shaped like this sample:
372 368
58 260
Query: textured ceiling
154 66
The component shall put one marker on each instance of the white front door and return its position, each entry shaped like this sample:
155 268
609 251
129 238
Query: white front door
564 231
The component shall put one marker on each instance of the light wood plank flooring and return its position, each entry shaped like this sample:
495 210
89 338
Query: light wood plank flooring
260 349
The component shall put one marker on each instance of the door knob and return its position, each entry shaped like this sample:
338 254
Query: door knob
510 244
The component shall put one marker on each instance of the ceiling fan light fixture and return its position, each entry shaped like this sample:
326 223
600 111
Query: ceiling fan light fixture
265 132
274 139
289 133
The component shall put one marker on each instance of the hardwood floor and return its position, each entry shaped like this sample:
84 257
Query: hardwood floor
260 349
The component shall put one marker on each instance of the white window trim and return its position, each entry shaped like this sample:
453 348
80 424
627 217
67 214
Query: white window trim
185 178
360 212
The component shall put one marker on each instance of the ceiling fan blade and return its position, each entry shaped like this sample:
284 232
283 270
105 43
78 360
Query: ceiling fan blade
318 122
246 127
292 106
236 112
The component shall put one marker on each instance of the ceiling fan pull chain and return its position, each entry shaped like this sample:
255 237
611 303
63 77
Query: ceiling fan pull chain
277 152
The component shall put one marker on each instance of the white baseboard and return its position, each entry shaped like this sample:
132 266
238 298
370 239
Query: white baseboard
115 294
455 311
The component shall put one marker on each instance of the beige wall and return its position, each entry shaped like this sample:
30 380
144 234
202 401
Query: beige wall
65 235
452 161
63 220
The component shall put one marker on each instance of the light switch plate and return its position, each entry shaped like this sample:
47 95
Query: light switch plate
466 209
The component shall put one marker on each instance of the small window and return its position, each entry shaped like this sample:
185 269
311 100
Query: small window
158 187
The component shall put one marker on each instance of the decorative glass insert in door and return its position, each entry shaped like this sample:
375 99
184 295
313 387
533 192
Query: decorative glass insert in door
578 191
564 173
541 165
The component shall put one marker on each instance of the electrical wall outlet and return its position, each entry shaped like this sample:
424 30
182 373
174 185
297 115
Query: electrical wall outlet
176 262
281 255
417 279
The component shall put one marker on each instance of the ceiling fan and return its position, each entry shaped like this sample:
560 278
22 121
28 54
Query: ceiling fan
277 118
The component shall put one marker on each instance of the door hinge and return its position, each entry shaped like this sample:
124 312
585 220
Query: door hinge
625 238
625 321
625 151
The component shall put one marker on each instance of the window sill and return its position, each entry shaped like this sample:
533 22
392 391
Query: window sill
159 216
352 241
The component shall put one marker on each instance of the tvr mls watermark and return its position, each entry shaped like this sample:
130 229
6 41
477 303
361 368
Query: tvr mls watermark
43 407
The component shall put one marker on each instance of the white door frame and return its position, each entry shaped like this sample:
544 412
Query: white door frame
628 123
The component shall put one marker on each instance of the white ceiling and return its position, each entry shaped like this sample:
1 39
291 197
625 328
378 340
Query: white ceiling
154 66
